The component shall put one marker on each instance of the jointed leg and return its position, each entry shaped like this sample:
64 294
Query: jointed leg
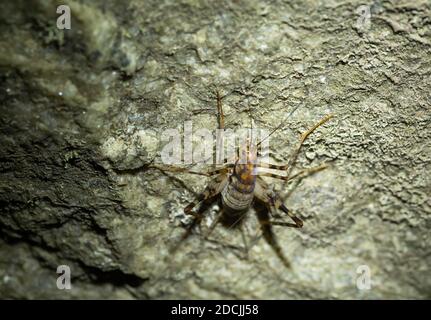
226 167
244 240
169 168
205 199
298 222
200 197
265 223
275 203
254 238
220 134
302 172
272 166
214 223
198 216
211 191
220 111
304 136
309 171
223 169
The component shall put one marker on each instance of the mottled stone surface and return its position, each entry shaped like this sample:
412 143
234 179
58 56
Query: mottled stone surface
83 110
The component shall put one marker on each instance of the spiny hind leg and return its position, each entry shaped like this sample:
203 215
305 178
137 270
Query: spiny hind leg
206 198
298 222
197 218
273 203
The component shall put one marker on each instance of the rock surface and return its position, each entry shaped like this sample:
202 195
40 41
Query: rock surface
83 110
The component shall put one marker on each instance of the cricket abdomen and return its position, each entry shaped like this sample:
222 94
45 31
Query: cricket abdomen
234 200
238 195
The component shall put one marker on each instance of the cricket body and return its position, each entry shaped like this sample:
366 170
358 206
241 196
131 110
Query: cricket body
238 194
239 186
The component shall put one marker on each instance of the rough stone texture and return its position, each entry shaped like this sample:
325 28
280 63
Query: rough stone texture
82 112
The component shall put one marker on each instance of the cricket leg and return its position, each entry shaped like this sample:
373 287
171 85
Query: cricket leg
244 240
205 199
200 197
304 172
212 172
198 216
219 148
262 212
169 168
272 166
298 224
220 111
211 191
254 238
294 156
214 223
224 169
275 203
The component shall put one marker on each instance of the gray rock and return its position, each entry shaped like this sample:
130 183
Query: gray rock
83 111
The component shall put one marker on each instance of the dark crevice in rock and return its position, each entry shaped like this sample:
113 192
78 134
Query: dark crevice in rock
115 277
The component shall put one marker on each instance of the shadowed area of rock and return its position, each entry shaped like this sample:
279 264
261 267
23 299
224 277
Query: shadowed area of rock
83 112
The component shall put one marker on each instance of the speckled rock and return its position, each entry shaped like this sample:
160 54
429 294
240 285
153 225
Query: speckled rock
83 112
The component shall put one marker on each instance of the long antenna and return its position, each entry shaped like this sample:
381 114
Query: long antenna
278 127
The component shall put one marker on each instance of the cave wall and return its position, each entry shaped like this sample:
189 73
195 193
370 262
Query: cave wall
83 110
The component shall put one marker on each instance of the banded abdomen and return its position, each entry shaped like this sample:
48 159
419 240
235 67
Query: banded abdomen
238 195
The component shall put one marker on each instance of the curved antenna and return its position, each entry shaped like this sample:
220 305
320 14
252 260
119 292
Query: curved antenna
278 127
